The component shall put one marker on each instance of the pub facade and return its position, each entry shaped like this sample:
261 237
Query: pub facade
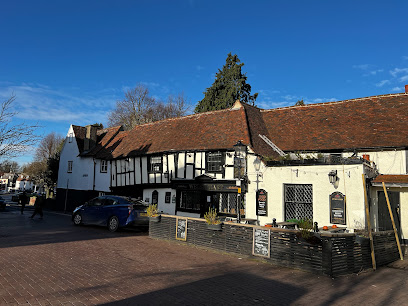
315 162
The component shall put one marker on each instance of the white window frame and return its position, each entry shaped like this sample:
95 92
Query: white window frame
70 163
104 166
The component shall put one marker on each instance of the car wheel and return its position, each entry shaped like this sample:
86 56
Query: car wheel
78 219
113 224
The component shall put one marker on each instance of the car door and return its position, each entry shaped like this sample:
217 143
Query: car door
92 211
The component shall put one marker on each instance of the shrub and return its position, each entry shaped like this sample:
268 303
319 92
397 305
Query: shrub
152 210
211 217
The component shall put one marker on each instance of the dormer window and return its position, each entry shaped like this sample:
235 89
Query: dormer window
215 161
156 164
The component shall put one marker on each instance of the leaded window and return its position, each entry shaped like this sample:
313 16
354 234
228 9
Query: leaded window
69 166
298 201
215 161
190 200
156 164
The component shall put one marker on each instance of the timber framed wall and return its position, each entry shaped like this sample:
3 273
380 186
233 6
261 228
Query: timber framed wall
336 254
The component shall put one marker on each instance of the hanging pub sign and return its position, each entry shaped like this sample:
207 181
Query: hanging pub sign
261 203
337 208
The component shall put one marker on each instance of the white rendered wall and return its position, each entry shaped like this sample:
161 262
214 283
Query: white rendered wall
350 184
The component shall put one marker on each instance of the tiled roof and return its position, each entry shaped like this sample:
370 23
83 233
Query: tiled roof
371 122
103 149
387 178
79 132
217 130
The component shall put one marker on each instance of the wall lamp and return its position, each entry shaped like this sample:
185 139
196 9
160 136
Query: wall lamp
333 176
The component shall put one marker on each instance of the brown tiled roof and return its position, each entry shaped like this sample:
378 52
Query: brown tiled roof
372 122
215 130
79 132
102 148
387 178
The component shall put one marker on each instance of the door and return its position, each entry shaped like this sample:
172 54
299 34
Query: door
92 211
384 219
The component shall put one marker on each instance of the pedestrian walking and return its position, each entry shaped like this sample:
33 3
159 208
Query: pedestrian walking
23 200
38 207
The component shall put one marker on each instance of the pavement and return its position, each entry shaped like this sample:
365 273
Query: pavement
53 262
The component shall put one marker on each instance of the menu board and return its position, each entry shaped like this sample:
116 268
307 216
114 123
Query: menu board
181 229
261 203
261 242
337 208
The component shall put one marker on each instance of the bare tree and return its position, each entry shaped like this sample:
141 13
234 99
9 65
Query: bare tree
14 138
48 146
139 107
9 166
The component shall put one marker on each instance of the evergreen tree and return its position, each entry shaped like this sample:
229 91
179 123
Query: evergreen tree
230 85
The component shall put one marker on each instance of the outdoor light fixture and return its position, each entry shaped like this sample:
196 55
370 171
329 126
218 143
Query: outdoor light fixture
239 148
257 164
333 176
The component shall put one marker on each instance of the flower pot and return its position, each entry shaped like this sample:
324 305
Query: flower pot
215 227
155 218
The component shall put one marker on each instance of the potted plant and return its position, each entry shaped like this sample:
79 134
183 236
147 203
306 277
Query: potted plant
212 219
153 213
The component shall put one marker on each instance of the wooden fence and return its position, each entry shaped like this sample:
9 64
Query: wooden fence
332 254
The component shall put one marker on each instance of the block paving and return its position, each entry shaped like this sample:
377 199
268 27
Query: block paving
52 262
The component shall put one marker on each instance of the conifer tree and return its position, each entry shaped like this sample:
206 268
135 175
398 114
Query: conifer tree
230 85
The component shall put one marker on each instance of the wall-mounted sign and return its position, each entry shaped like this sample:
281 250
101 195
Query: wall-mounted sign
181 229
261 242
262 203
338 208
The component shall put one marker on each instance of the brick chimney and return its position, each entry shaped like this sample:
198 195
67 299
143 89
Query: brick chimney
90 137
406 88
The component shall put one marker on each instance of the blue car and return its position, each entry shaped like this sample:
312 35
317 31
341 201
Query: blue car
112 211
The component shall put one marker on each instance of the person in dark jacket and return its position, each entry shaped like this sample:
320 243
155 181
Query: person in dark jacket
38 207
23 201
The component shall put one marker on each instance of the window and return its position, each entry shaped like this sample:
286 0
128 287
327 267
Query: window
167 197
155 197
215 161
189 201
104 166
70 137
69 167
298 201
156 164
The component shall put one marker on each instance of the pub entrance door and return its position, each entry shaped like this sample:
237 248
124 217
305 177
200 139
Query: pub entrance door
384 219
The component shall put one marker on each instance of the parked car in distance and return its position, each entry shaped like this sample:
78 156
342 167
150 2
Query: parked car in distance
112 211
2 204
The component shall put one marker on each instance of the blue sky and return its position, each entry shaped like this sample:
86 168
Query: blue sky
68 62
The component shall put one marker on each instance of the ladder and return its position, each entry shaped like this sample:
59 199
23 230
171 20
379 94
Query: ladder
272 145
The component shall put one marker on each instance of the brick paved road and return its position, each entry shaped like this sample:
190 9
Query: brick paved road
51 262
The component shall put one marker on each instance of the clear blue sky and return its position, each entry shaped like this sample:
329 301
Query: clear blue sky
67 62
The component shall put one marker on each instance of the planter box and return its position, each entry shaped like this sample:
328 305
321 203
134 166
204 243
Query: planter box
215 227
155 219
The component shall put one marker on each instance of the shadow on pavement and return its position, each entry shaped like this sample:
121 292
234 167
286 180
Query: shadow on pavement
18 229
229 289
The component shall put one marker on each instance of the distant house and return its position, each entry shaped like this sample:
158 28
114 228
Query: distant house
24 182
301 162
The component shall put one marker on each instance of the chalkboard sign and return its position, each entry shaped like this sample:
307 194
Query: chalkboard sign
337 208
261 203
261 242
181 229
